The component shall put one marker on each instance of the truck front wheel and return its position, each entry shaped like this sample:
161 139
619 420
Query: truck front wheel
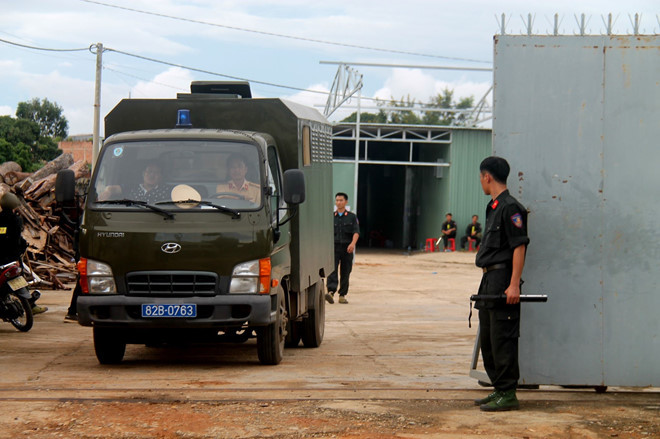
313 326
109 346
270 339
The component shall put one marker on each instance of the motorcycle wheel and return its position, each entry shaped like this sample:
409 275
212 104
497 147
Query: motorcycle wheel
23 322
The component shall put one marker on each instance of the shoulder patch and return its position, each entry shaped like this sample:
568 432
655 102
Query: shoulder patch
517 220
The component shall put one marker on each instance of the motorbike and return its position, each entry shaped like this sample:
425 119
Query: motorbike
15 307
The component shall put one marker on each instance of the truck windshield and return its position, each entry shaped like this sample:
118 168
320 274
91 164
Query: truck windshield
161 173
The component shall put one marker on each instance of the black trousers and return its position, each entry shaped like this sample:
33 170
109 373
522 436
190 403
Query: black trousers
343 263
73 306
465 238
445 238
499 332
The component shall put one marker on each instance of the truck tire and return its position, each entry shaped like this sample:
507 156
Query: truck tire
109 346
270 339
313 326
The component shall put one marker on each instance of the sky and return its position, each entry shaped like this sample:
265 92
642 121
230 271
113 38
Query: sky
155 48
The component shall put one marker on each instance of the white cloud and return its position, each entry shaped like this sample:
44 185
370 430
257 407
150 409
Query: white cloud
164 85
6 111
309 98
420 86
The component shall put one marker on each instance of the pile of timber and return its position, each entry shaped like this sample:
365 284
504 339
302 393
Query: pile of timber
50 252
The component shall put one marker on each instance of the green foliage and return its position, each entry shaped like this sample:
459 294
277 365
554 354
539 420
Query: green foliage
31 139
443 100
48 115
19 153
379 117
18 130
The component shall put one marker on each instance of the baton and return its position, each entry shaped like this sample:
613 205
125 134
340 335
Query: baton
523 297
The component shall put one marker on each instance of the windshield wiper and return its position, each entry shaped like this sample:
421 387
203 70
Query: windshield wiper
127 202
234 213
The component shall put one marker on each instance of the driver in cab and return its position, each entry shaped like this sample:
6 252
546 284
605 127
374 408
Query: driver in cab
237 186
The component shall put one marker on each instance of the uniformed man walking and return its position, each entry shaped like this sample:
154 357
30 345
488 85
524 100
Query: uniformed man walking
502 257
347 232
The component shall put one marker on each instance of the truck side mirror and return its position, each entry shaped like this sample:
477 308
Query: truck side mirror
65 186
294 186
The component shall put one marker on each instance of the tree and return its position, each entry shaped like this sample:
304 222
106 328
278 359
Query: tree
19 153
379 117
48 115
20 142
443 100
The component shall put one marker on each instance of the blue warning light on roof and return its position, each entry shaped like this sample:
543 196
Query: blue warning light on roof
183 119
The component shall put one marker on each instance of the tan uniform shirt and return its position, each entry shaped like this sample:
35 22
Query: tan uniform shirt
250 191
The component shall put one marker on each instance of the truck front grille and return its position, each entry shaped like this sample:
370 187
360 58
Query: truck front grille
172 284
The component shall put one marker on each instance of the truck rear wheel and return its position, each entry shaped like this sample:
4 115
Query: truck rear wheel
109 346
270 339
313 326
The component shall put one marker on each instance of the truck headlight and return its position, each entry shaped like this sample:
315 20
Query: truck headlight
251 277
96 277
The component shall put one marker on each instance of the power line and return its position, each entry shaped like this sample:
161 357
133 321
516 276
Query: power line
194 69
292 37
208 72
171 64
43 48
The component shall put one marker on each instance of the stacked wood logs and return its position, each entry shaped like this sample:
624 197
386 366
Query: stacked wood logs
50 252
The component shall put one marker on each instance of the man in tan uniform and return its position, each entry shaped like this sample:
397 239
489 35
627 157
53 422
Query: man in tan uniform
237 184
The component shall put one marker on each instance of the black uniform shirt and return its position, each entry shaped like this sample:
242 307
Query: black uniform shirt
345 226
449 225
12 243
506 229
469 229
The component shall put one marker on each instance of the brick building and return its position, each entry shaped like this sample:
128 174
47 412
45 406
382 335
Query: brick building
80 146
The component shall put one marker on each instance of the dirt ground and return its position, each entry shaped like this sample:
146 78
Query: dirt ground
394 364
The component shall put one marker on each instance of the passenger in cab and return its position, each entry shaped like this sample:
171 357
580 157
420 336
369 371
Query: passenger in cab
150 190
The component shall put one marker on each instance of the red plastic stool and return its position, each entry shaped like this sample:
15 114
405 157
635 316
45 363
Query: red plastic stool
452 244
470 241
430 245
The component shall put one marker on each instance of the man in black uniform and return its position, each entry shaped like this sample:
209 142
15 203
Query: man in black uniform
502 257
448 230
12 244
347 232
473 231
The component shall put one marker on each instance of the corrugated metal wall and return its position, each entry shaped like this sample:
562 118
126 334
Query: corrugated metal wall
343 175
459 190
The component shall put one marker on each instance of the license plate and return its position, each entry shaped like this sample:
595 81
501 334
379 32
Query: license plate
166 310
17 283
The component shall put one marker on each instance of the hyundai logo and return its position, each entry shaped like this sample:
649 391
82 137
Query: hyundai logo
170 247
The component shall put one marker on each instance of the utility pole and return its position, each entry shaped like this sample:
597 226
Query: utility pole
97 105
357 150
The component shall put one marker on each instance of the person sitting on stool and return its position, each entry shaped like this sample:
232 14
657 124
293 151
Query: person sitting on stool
472 232
448 230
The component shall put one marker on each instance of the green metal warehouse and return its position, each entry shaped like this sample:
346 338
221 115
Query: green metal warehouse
409 177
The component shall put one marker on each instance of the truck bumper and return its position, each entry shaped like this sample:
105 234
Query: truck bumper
212 312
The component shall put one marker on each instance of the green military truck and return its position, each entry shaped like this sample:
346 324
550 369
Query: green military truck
207 219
